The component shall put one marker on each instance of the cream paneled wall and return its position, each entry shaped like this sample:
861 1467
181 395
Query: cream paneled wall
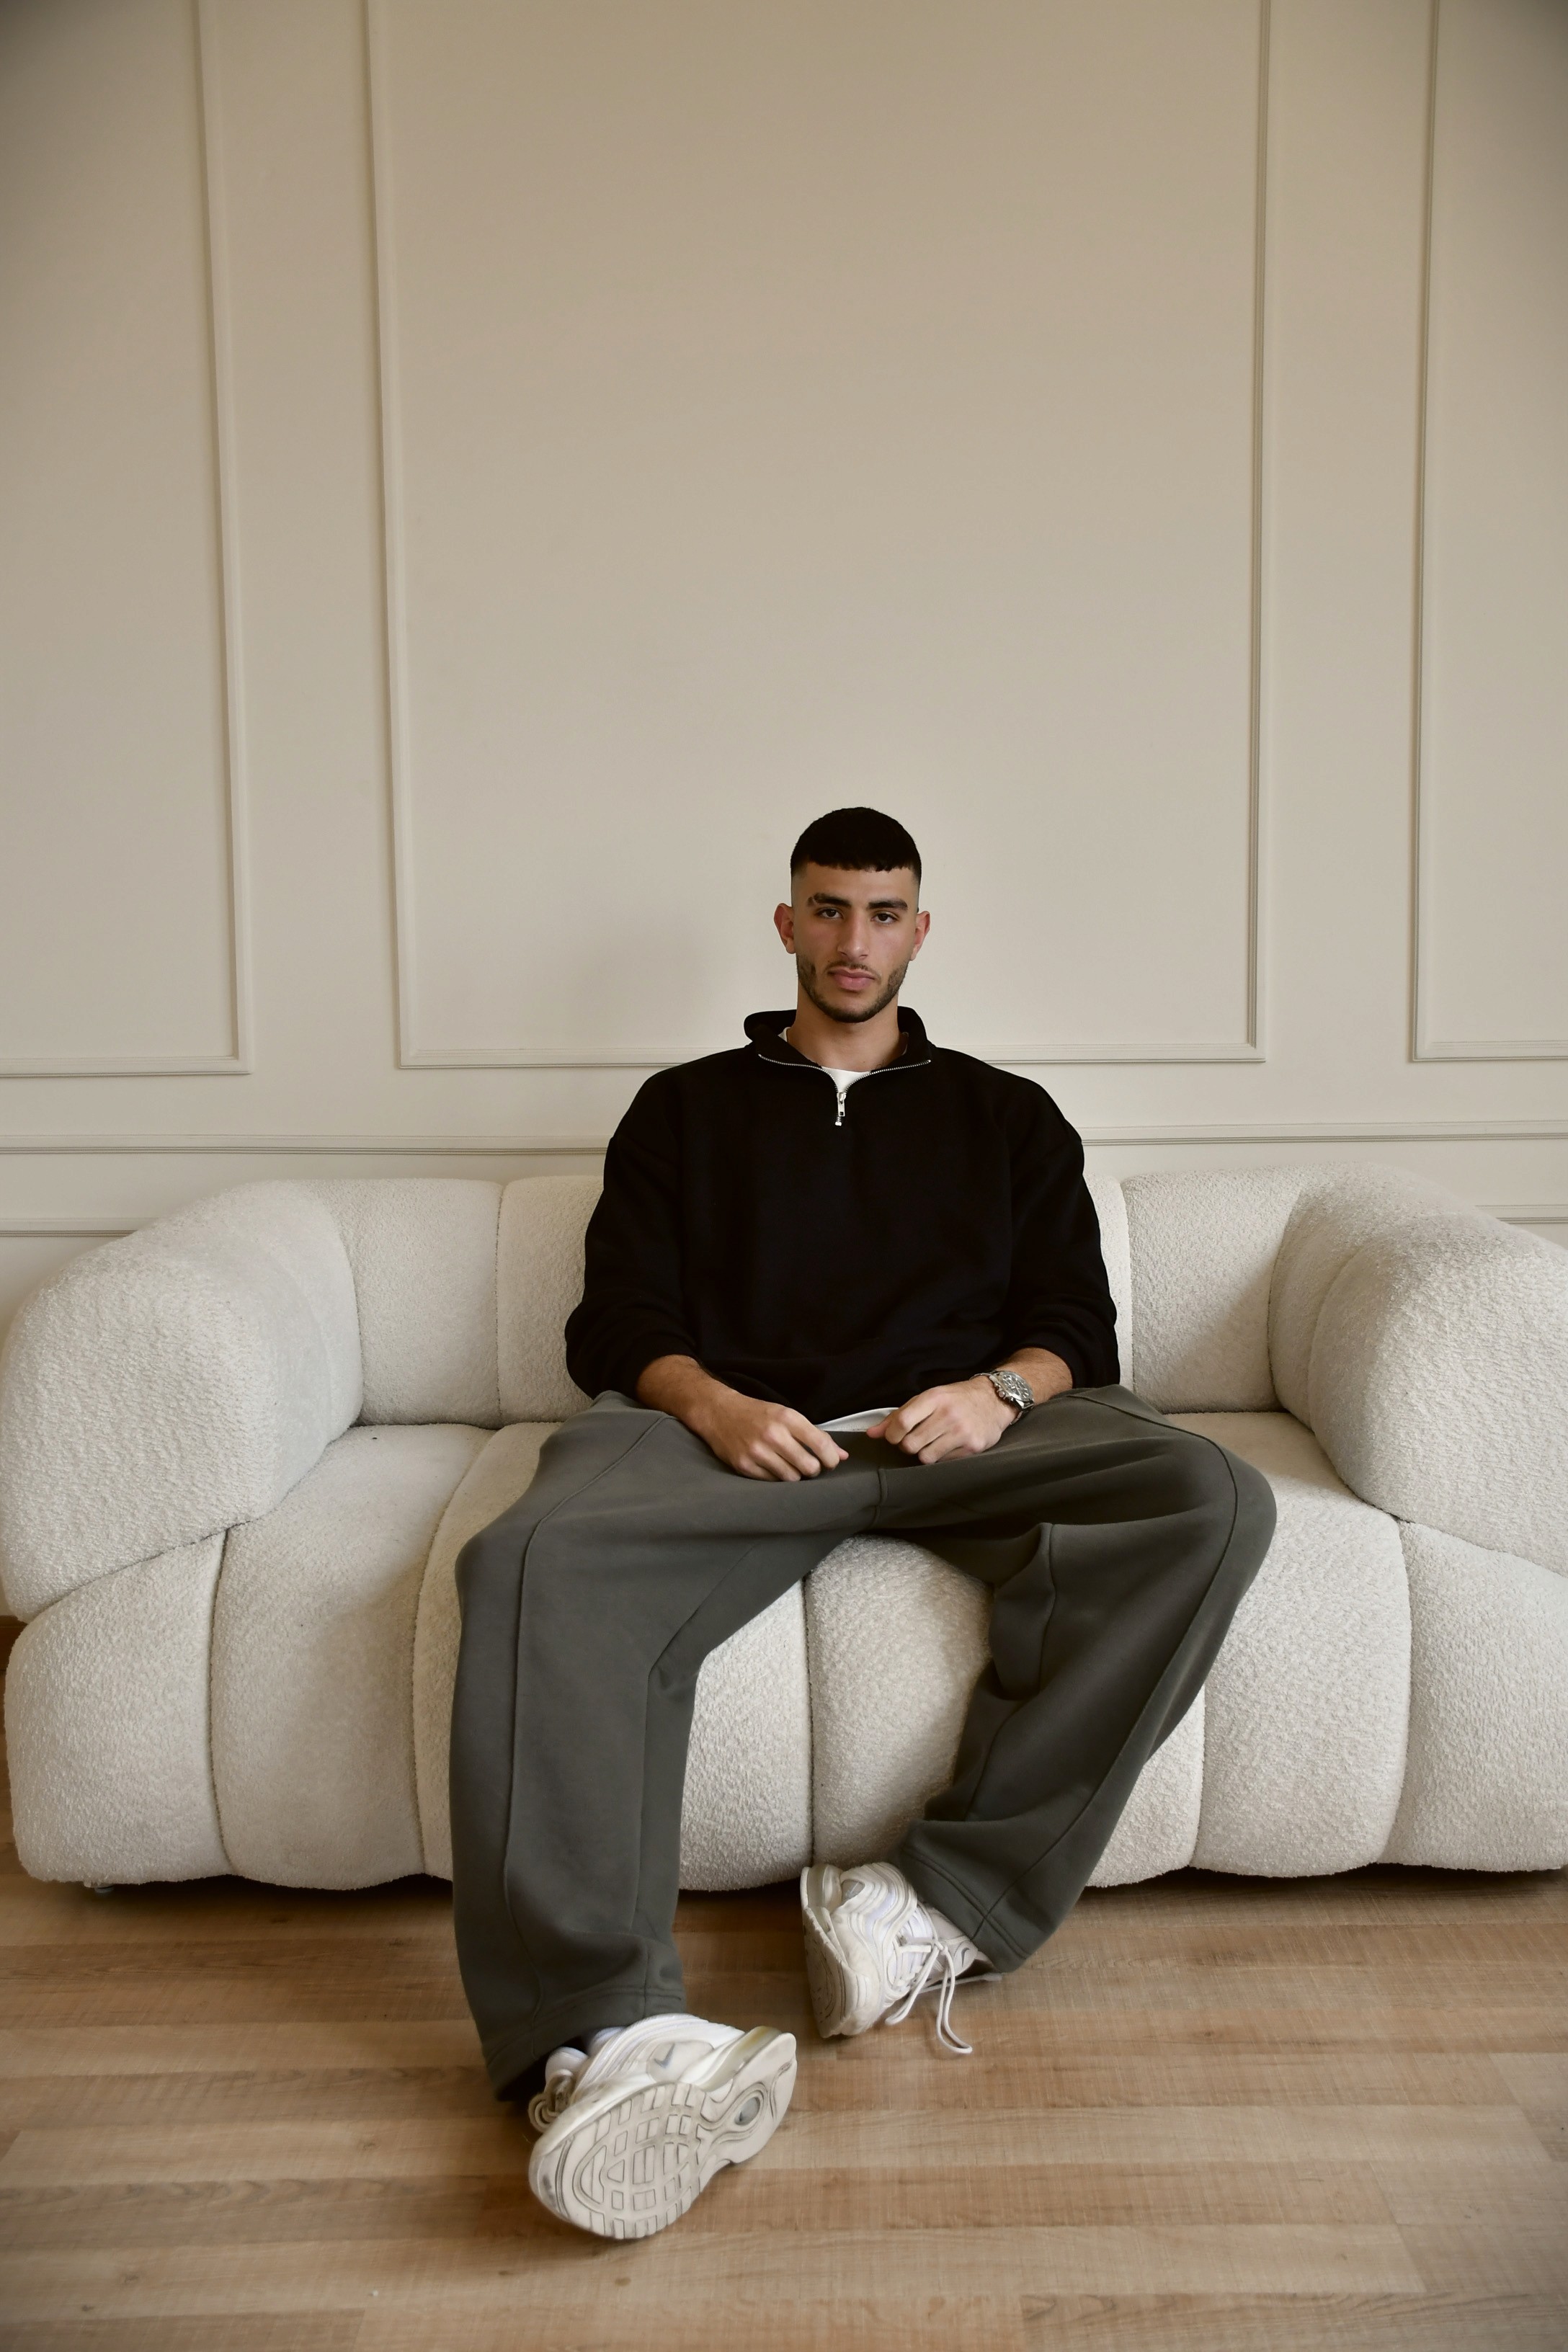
476 478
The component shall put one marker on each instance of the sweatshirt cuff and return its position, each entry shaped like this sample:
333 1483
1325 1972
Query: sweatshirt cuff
646 1351
1058 1344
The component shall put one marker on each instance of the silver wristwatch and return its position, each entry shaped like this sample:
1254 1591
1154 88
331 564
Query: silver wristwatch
1013 1389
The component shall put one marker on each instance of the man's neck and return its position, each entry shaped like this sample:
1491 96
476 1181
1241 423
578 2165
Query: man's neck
846 1044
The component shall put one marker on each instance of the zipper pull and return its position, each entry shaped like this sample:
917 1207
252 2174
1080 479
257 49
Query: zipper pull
842 1092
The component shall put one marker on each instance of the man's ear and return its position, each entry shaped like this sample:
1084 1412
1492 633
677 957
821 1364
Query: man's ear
922 925
784 923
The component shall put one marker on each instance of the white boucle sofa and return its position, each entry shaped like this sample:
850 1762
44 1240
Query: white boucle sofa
239 1453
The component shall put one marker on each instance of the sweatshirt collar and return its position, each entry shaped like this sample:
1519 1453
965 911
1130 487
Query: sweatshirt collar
764 1031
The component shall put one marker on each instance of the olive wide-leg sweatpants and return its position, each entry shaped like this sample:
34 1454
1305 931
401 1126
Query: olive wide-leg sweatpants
1117 1548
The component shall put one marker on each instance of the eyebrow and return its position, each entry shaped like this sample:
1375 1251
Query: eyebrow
831 898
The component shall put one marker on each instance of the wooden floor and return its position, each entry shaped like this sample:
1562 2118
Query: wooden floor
1215 2113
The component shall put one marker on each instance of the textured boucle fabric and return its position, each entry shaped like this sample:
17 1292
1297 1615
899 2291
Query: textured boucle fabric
1486 1783
1202 1246
164 1386
539 1280
1110 1208
423 1250
1439 1381
896 1640
312 1662
498 1474
1339 1207
1159 1829
106 1725
1306 1705
746 1817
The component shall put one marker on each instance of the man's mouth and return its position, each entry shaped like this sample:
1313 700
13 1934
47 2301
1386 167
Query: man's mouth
850 975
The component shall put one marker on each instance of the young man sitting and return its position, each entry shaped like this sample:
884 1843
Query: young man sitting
839 1280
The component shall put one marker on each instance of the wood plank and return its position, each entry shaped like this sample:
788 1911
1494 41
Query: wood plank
1488 2257
741 2270
426 2148
213 2331
228 2049
906 2069
1264 2134
142 2213
321 2093
1063 2323
1539 2081
1012 2195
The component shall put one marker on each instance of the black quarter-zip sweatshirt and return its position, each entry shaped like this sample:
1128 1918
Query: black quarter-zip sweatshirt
833 1252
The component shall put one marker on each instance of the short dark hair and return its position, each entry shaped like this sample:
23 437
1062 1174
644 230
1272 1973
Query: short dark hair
859 840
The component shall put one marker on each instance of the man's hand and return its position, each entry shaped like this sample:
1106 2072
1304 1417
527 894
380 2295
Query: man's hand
760 1441
966 1417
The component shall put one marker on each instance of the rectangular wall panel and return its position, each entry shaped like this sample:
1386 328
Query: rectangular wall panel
1492 952
117 912
831 401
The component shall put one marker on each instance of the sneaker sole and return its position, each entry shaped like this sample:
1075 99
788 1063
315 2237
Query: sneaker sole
629 2161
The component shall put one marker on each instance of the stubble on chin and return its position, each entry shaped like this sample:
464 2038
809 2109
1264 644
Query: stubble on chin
850 1015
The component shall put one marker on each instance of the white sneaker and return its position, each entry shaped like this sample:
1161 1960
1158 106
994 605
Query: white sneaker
872 1947
631 2136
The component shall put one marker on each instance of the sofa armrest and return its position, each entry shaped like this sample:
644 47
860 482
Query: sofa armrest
1437 1378
167 1386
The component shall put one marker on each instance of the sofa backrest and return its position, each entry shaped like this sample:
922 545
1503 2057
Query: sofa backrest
1217 1273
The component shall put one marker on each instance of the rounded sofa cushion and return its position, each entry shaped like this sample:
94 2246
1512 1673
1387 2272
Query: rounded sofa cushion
107 1720
163 1386
746 1816
312 1651
1439 1370
1306 1705
423 1250
1202 1246
1486 1787
1339 1207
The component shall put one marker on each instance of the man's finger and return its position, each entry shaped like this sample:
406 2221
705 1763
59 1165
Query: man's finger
788 1447
816 1441
773 1465
898 1425
932 1424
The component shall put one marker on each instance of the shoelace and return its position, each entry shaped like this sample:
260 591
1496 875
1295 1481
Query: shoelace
554 2099
938 1955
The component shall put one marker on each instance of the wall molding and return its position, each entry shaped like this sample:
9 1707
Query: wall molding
63 1228
1424 1045
477 1147
220 380
411 1054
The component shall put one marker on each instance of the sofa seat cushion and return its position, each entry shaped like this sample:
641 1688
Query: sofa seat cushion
1486 1786
1307 1706
108 1724
312 1659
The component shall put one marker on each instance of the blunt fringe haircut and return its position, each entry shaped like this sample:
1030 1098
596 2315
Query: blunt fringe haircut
857 841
